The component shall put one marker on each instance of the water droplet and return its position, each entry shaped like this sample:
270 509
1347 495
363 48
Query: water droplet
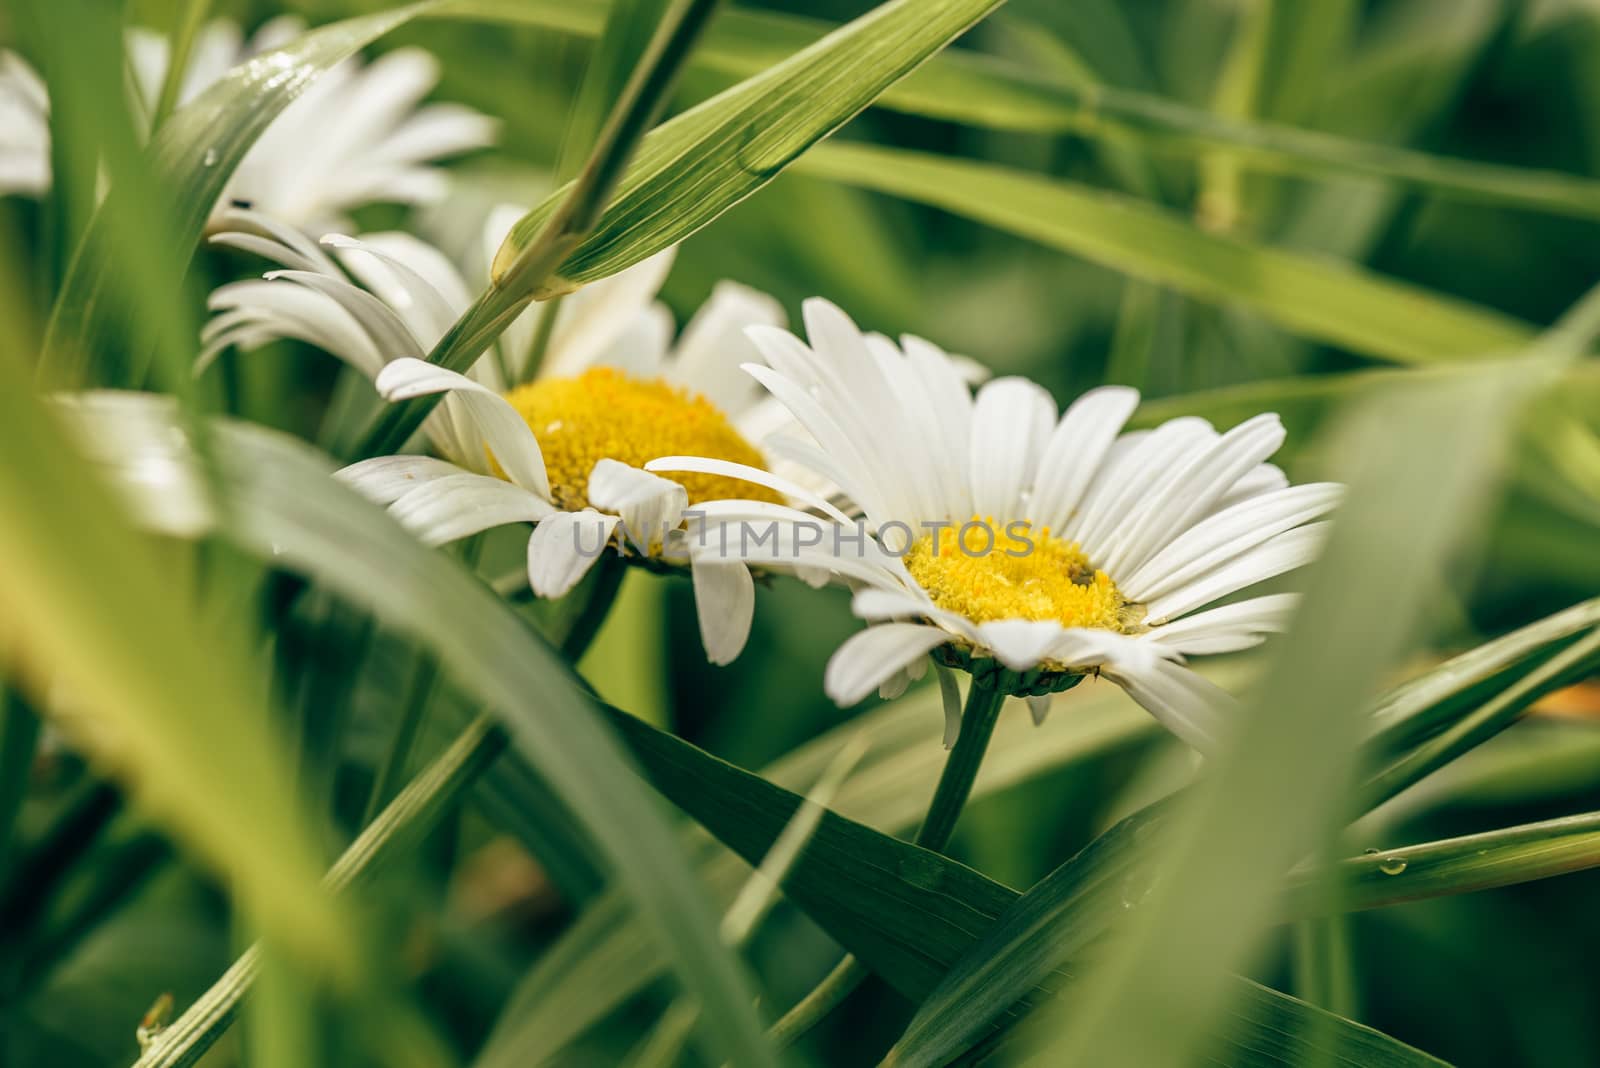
1369 852
1136 887
210 158
1392 865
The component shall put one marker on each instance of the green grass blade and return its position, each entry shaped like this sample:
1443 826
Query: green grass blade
1055 919
1338 303
194 154
402 822
701 163
169 712
909 913
1421 464
962 86
628 28
606 958
1473 862
284 507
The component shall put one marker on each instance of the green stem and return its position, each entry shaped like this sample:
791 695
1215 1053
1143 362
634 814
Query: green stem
531 269
419 692
194 14
410 815
543 332
949 797
19 737
602 594
420 689
961 767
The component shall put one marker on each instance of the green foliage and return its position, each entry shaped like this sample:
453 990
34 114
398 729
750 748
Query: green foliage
264 751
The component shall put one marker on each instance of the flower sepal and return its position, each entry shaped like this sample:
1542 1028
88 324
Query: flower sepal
990 674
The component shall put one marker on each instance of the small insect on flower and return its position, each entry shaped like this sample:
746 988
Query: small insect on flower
1031 550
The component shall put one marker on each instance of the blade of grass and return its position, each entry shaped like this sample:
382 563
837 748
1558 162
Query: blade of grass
1337 303
191 16
910 913
605 958
535 249
963 86
191 158
19 737
405 820
1484 861
1060 915
285 508
1421 465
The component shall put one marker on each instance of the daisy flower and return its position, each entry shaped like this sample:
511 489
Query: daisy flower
357 135
564 451
1027 548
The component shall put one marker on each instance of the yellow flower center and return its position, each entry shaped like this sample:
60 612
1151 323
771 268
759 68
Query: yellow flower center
984 571
604 414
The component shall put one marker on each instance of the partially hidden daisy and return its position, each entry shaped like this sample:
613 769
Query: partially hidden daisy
565 450
359 134
1030 549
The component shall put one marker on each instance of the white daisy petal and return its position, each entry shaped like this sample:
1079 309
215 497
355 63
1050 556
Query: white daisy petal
648 504
641 348
879 605
446 509
563 547
1226 534
594 316
746 473
410 276
1133 467
385 479
1230 628
1190 706
1266 478
388 331
724 601
1191 493
1009 424
871 657
713 345
1020 644
1285 552
1076 448
505 434
259 311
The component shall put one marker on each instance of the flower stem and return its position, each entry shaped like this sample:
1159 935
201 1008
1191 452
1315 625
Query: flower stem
961 767
183 37
600 596
410 815
949 797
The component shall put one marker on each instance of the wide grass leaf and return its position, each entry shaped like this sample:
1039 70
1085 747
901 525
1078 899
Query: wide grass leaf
982 90
103 625
699 164
909 914
1322 299
283 505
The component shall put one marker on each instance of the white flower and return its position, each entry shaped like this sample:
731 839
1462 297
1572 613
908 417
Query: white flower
564 451
1032 550
356 136
24 129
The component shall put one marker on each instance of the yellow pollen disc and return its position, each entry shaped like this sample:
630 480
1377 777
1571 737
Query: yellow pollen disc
985 571
604 414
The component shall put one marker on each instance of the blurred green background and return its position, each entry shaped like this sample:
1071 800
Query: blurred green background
1491 979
